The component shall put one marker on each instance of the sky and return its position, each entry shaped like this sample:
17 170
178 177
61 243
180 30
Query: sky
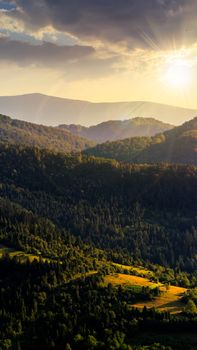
100 50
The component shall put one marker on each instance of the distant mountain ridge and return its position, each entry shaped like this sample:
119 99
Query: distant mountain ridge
178 145
18 132
117 130
49 110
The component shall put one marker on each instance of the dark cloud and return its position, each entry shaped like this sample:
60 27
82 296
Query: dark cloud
75 62
139 23
24 53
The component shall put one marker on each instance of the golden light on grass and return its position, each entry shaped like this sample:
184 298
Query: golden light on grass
170 299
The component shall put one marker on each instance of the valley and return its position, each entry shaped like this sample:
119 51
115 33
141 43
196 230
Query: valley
89 245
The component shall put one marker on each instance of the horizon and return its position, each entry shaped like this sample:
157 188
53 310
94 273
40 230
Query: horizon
100 102
51 110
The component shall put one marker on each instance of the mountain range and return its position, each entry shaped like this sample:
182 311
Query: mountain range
175 145
52 111
117 129
178 145
95 253
65 139
18 132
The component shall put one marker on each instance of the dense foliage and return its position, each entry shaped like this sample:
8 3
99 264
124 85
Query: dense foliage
40 309
148 212
126 150
76 214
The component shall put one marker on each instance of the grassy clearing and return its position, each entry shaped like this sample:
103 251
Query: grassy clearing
129 280
139 270
22 256
169 300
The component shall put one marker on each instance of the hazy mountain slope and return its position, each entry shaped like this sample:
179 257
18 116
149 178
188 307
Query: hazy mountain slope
178 145
118 130
54 110
124 150
22 133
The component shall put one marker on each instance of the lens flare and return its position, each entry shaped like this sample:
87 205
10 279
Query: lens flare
177 73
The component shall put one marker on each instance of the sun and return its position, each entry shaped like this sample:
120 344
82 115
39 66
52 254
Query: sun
177 73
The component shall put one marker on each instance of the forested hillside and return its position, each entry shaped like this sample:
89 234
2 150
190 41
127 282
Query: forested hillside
80 218
121 207
18 132
117 130
178 145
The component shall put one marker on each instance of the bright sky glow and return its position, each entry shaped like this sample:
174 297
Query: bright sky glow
110 50
177 73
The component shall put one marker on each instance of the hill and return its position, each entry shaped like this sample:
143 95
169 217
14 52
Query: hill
117 130
68 223
169 299
23 133
118 207
50 110
178 145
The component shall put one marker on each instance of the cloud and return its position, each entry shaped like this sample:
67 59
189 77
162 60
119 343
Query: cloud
92 38
151 24
73 62
24 53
